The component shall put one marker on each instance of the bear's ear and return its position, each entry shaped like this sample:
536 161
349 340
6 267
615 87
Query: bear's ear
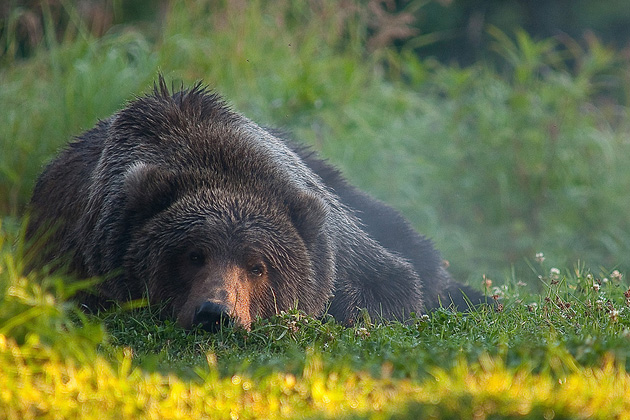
308 213
148 190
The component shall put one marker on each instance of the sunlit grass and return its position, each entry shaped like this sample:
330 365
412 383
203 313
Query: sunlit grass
37 383
563 352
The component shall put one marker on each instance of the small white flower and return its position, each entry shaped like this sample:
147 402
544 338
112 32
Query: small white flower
614 315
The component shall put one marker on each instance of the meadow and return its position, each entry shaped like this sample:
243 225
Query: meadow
515 167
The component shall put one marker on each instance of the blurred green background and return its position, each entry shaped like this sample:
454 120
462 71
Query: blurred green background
501 129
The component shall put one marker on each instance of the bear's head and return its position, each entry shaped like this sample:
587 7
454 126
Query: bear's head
213 249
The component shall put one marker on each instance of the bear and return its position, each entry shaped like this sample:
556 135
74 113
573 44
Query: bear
181 199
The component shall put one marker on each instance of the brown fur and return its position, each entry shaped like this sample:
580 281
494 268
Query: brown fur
178 196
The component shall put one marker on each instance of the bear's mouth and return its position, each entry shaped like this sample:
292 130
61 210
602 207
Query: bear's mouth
212 317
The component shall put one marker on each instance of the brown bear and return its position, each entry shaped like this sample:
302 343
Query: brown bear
179 198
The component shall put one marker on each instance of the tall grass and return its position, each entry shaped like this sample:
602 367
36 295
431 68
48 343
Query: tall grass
35 307
494 165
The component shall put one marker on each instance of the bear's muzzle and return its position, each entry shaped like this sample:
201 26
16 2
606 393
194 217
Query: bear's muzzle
212 316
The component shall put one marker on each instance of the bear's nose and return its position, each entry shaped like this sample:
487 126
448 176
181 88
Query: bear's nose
212 316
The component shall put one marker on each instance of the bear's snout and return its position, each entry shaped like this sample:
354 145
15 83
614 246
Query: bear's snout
211 316
220 294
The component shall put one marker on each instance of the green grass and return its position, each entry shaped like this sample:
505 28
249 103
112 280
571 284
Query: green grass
495 163
570 322
564 351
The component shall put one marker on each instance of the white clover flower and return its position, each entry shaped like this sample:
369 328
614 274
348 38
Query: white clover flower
614 315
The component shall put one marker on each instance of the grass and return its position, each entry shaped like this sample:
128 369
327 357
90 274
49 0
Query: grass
39 385
496 163
562 353
565 325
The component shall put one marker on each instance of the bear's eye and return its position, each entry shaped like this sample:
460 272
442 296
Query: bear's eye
196 257
257 269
